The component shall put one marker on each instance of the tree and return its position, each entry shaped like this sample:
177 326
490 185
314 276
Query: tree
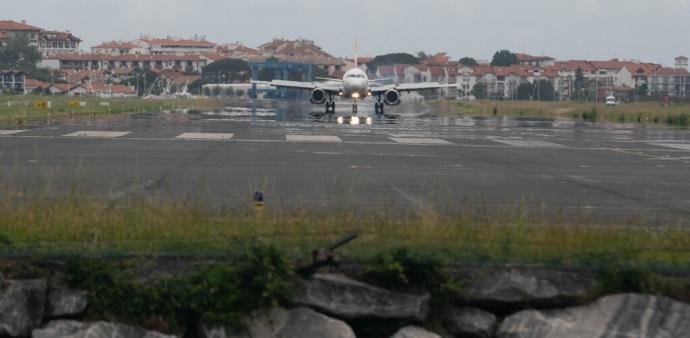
144 80
227 71
579 84
543 90
469 62
524 91
19 54
504 58
642 90
479 91
391 59
422 56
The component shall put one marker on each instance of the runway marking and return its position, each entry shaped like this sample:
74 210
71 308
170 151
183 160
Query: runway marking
681 146
204 136
11 132
98 134
313 138
529 143
418 140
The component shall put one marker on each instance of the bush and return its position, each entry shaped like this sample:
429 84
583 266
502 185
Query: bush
402 267
219 293
591 115
681 119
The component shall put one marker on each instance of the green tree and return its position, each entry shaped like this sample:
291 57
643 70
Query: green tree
524 91
468 61
422 55
227 71
579 85
504 58
543 90
479 91
391 59
144 80
19 54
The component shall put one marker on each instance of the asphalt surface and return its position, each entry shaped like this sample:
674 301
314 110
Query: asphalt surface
551 167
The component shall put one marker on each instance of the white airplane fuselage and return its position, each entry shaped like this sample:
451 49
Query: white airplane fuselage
355 84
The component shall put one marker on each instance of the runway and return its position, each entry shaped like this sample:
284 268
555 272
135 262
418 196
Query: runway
553 167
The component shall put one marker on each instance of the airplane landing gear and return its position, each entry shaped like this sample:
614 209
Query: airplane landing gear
330 107
354 109
379 107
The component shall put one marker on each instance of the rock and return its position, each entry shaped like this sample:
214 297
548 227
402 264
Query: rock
623 316
307 323
281 323
518 288
74 329
65 303
343 297
470 322
22 305
414 332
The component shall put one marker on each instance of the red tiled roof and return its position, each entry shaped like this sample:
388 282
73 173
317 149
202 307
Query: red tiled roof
126 57
32 83
573 65
294 48
610 64
60 35
104 88
117 45
522 57
9 25
180 42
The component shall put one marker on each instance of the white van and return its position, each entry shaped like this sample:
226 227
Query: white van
611 101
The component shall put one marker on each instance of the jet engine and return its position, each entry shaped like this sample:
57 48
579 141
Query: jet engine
318 96
391 97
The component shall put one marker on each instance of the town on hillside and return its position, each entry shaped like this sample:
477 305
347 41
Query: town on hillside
168 66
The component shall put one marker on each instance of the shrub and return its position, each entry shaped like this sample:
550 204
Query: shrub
591 115
219 293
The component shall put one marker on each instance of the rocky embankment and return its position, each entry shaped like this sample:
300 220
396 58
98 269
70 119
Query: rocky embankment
508 303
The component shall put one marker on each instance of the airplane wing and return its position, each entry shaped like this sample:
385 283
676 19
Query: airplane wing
410 87
327 87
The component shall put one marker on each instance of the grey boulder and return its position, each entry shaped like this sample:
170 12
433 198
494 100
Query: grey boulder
65 303
414 332
619 316
22 304
74 329
346 298
469 322
528 287
281 323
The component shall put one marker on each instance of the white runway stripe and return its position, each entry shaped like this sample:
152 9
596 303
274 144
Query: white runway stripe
681 146
11 132
419 140
529 144
204 136
313 138
98 134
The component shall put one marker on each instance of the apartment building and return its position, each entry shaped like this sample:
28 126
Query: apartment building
189 63
12 81
48 42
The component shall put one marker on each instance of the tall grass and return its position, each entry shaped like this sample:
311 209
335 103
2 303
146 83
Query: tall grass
638 112
81 225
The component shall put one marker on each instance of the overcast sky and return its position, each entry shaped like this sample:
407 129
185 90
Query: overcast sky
651 30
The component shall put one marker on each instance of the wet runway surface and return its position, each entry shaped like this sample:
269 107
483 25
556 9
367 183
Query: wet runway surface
303 160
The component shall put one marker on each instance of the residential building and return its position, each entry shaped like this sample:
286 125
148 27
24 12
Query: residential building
118 48
681 62
175 46
55 42
189 63
302 51
47 42
535 61
12 81
32 85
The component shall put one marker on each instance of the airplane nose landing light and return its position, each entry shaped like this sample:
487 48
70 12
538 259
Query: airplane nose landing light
340 120
369 121
354 120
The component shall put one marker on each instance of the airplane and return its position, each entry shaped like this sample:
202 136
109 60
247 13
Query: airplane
354 85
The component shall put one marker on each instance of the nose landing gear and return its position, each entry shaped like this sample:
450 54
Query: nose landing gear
330 107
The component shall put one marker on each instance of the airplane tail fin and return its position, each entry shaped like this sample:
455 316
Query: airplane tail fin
356 63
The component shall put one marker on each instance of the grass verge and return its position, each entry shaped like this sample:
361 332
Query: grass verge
23 109
677 114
